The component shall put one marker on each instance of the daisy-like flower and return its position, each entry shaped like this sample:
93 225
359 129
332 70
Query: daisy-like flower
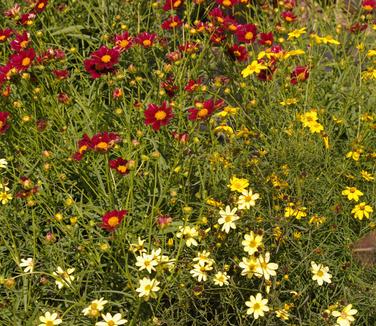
49 319
345 317
109 320
264 268
228 218
188 234
158 116
5 197
221 278
238 184
247 199
119 165
63 278
93 310
28 264
362 210
111 220
3 163
352 193
203 258
299 74
148 288
249 266
252 242
254 68
320 273
257 306
147 262
200 271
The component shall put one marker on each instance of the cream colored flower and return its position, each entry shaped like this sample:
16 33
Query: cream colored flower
93 310
228 218
345 317
49 319
109 320
257 306
147 288
320 273
28 264
63 278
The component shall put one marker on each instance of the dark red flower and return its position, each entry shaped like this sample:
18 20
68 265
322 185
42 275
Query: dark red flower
102 61
145 39
169 86
51 54
231 24
173 56
216 16
120 165
369 5
40 6
246 33
289 4
84 144
13 12
358 27
172 22
123 41
23 59
61 74
111 220
6 72
104 141
217 36
4 126
238 52
266 39
288 16
300 73
27 19
63 98
5 34
203 110
172 4
21 42
189 47
158 116
193 85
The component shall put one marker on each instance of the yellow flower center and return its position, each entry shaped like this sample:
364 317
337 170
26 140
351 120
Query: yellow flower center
256 306
111 323
160 115
123 43
102 145
2 37
82 149
147 288
113 221
203 113
301 76
122 168
24 44
49 323
228 218
146 42
226 3
237 54
352 190
41 5
248 36
320 273
94 306
173 24
177 3
106 58
25 62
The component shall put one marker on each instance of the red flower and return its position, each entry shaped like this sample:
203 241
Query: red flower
172 4
120 165
193 85
145 39
158 116
169 87
102 61
6 72
227 3
218 36
20 42
300 73
369 5
51 54
4 126
61 74
111 220
203 110
246 33
289 4
238 52
216 15
182 137
102 142
173 56
27 19
189 47
123 42
266 39
231 24
84 144
172 22
288 16
358 27
23 59
40 6
4 34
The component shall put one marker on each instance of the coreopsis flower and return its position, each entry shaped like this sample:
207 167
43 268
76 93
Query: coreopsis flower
172 4
21 42
320 273
217 36
138 247
104 141
158 116
230 24
249 266
171 23
145 39
3 163
123 41
188 234
202 258
111 220
95 307
164 221
200 271
40 6
216 16
252 242
257 306
288 16
169 86
266 39
147 262
203 110
109 320
299 74
254 68
189 47
193 85
352 193
63 278
50 319
246 33
84 144
120 165
264 268
369 5
227 3
23 59
5 34
147 288
27 19
238 52
247 199
61 74
5 196
28 265
228 218
221 278
345 316
238 184
296 33
4 126
367 176
102 61
362 210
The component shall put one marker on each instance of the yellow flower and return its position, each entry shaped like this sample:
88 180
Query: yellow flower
371 53
49 319
345 317
296 33
257 306
361 210
354 154
289 101
292 53
252 242
320 273
254 67
247 199
5 197
147 288
326 39
352 193
366 175
238 184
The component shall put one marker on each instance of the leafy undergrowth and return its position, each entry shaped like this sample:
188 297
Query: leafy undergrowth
186 163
